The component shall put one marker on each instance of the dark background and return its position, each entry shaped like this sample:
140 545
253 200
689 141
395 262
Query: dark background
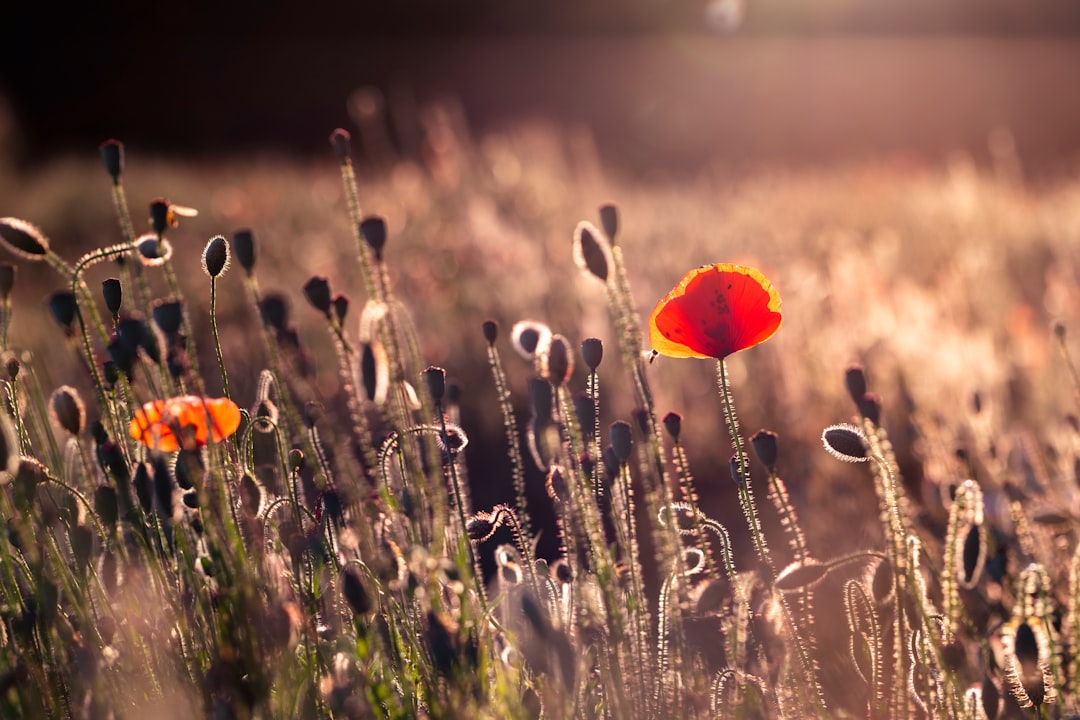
659 85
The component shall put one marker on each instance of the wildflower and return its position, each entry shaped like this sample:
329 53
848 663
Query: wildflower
188 419
715 311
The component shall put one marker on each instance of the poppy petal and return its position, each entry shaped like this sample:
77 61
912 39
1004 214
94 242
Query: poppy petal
715 311
200 420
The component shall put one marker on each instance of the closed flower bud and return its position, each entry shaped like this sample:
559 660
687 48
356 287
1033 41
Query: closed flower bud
317 292
435 379
68 409
673 423
845 442
23 239
63 308
341 142
243 246
215 257
622 440
764 445
592 352
112 155
373 230
341 307
159 215
352 587
609 220
491 331
855 382
559 362
113 294
168 315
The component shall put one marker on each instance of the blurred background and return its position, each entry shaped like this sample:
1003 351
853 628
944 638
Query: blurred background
663 85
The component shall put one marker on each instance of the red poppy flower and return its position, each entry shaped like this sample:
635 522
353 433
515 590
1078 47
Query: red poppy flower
188 421
715 311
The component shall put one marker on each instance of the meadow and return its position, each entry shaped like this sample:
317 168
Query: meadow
449 479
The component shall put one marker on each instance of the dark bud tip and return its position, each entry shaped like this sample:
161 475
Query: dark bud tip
113 294
435 379
112 155
855 382
341 308
373 230
243 245
159 215
7 279
673 424
491 331
592 352
215 258
1059 330
317 292
622 441
341 142
764 446
609 220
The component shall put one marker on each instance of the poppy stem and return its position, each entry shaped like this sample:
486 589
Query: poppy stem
740 473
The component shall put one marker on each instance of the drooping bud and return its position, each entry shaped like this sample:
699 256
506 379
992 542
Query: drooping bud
23 239
845 442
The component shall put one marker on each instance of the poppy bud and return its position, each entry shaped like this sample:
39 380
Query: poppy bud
373 230
845 442
168 315
113 294
870 407
106 506
215 257
341 142
12 367
112 155
341 307
622 441
673 423
491 331
558 361
855 382
275 311
435 379
352 587
144 485
23 239
317 292
609 220
541 399
585 409
68 409
764 445
592 352
591 252
63 308
243 245
159 216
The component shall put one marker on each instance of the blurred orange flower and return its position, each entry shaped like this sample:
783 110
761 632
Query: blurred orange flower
715 311
187 421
